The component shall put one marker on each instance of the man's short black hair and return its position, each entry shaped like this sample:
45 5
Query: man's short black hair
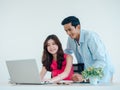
71 19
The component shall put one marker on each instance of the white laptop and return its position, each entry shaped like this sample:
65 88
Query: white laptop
23 71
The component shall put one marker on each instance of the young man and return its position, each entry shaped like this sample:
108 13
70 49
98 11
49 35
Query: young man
87 47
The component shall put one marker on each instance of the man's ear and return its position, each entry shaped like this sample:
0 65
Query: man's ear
78 27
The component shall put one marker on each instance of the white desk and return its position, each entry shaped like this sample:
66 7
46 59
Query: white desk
113 86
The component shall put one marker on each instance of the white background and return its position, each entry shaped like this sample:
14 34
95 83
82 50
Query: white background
24 25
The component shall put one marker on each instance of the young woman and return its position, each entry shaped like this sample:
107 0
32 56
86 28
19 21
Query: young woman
56 61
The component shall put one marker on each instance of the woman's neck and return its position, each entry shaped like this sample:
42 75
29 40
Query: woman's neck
55 57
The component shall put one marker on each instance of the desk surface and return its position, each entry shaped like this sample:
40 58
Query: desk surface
76 86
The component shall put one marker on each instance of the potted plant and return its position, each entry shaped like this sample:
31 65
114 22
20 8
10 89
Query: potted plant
93 74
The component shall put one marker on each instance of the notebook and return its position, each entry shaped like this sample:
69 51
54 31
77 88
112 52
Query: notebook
23 71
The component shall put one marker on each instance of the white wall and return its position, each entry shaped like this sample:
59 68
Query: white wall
24 25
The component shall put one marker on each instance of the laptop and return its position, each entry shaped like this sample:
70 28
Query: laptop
23 71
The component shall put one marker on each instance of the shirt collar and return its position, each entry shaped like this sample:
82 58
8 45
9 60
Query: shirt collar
81 40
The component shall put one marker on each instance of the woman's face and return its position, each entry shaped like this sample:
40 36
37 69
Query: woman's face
52 47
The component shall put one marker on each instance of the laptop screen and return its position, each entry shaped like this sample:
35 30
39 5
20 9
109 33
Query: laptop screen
23 71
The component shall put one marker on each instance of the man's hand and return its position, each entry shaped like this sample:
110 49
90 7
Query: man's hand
77 77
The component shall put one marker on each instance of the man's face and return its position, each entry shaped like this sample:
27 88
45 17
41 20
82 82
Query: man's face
73 32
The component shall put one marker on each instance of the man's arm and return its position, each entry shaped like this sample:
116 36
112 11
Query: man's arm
98 51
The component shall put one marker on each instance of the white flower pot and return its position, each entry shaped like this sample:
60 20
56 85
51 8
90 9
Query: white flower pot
93 80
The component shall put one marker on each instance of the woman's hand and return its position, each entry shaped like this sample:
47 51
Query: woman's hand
77 77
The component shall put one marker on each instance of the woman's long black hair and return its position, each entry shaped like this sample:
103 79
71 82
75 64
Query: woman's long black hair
47 57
